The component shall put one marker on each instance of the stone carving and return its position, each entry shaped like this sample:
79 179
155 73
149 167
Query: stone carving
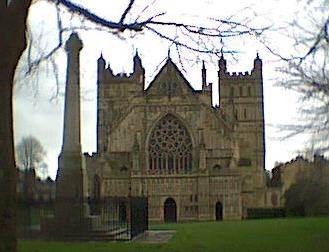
170 147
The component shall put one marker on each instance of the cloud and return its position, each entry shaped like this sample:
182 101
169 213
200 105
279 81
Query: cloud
38 116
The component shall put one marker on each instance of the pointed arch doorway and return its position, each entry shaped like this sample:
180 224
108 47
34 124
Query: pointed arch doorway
170 210
219 211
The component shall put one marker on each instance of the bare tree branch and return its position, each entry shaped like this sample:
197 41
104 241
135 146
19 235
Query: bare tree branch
97 23
178 43
144 9
124 14
79 10
306 71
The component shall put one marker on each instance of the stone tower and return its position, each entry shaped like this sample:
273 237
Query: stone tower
241 97
71 188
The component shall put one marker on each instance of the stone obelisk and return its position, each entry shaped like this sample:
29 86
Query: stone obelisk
71 209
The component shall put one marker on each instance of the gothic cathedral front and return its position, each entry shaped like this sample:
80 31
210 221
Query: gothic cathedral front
191 160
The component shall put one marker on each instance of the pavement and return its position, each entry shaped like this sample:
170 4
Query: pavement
155 236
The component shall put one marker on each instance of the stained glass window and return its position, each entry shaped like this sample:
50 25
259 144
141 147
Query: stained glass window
170 147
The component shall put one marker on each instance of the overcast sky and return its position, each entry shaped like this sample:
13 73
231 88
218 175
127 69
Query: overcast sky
37 113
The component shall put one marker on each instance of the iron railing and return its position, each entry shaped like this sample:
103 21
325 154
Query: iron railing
109 218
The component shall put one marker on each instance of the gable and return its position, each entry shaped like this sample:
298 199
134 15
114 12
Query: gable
170 82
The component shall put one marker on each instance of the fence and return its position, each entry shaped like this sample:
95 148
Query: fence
139 215
110 218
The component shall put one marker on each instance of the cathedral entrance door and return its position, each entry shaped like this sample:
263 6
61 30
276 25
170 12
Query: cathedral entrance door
170 210
219 211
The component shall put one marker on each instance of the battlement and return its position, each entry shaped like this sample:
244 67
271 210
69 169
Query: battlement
255 73
109 77
106 76
239 74
247 75
90 155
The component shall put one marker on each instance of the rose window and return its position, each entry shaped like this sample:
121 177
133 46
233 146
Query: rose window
170 147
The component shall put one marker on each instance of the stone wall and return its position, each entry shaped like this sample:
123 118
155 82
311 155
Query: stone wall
227 141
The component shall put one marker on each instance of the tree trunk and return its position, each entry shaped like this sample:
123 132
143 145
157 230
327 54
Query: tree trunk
12 44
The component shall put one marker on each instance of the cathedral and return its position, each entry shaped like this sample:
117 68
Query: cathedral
168 143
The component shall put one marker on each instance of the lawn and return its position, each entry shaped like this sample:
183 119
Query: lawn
309 234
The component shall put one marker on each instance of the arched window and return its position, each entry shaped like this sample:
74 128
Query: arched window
123 169
170 147
216 167
236 114
232 91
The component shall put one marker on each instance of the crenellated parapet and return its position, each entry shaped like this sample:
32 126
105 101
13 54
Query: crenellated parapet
238 75
118 78
240 84
106 76
255 73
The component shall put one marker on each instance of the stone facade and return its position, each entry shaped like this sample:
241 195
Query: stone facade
167 142
286 174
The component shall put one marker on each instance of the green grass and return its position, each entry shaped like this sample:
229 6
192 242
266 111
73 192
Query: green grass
283 235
